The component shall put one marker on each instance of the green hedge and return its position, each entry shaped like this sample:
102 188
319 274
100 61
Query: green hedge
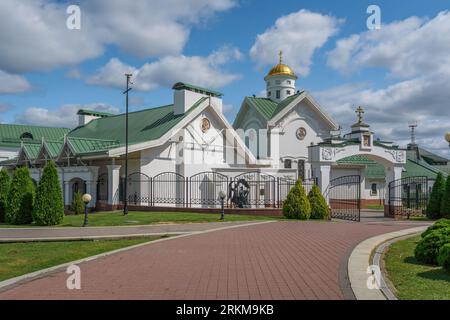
427 249
319 206
21 198
5 183
296 205
49 204
444 256
442 223
434 204
445 204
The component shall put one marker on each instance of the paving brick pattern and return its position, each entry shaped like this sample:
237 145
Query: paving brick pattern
280 260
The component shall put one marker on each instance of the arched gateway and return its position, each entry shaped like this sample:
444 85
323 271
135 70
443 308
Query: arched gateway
343 193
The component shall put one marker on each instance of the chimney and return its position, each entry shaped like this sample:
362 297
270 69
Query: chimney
85 116
186 95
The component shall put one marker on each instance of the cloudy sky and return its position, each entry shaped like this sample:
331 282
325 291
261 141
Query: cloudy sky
399 73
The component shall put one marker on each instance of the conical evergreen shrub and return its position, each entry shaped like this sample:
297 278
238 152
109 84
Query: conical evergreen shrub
319 206
296 205
77 203
5 182
20 202
434 204
445 203
49 204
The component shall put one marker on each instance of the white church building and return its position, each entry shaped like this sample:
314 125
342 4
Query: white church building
182 154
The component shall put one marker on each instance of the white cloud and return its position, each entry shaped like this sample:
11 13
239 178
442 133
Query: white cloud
299 35
10 83
203 71
38 39
64 116
407 48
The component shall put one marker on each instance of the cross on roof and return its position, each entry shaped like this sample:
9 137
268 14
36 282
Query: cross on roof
360 112
281 56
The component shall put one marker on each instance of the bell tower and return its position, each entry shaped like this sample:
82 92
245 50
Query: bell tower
280 81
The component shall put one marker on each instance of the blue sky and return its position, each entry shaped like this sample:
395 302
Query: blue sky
49 71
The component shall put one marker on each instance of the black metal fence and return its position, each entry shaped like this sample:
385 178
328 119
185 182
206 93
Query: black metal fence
409 196
344 194
202 189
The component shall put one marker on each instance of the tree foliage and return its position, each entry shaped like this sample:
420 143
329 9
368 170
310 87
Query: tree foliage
21 198
77 203
434 204
5 182
296 205
49 204
445 203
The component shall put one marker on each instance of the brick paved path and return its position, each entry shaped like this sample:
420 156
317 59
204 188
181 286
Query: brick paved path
280 260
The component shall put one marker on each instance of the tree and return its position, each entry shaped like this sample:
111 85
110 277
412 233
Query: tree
445 203
296 205
49 204
434 204
77 203
5 182
319 206
21 198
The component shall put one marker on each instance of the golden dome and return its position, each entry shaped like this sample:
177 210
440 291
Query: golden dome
447 137
281 69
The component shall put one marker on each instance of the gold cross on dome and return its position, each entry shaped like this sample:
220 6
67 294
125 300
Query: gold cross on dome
281 56
360 112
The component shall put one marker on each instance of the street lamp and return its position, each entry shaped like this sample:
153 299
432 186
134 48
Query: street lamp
222 196
86 199
125 201
447 137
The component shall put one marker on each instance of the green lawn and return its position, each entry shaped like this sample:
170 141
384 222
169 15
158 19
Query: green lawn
21 258
142 218
375 207
412 279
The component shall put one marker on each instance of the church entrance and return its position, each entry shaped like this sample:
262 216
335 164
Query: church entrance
344 196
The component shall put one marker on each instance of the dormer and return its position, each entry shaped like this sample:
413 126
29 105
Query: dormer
186 95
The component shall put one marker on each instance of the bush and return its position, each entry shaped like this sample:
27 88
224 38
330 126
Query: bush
319 206
49 203
434 204
21 198
444 257
5 182
296 205
77 203
427 249
445 204
442 223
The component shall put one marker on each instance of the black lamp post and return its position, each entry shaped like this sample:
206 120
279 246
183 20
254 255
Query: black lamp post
125 187
222 196
86 199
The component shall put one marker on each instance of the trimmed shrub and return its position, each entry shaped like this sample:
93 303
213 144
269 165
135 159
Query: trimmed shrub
21 198
319 206
49 204
427 249
434 204
77 203
5 182
444 257
442 223
445 203
296 205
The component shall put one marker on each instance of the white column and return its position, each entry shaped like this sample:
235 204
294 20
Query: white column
66 191
393 173
322 173
91 186
113 183
275 147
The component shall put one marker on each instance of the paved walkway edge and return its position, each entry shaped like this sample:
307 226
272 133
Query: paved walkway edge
359 261
7 284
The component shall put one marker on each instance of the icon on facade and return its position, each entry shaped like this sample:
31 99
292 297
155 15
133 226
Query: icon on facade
206 125
301 133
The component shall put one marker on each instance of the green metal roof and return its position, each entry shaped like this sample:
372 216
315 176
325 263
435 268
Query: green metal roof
191 87
32 150
10 134
109 132
94 113
357 160
268 108
54 148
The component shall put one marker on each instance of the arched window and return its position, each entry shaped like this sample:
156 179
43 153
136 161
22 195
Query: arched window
287 164
26 136
373 189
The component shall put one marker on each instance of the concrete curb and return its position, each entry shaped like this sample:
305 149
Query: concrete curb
7 284
359 261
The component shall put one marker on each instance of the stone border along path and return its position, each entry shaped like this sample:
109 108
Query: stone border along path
360 259
269 260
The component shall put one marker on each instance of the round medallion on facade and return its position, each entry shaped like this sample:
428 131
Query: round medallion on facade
206 125
301 133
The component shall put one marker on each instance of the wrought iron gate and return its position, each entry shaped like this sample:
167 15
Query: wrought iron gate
204 189
344 194
261 191
409 196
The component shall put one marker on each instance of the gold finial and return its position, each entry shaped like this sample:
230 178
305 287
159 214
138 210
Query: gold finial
360 111
281 56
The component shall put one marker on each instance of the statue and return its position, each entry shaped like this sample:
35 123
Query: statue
238 193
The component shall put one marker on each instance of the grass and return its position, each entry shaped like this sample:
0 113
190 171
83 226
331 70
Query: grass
412 279
21 258
375 207
143 218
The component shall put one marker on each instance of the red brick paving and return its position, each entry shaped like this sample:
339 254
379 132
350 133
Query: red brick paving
281 260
